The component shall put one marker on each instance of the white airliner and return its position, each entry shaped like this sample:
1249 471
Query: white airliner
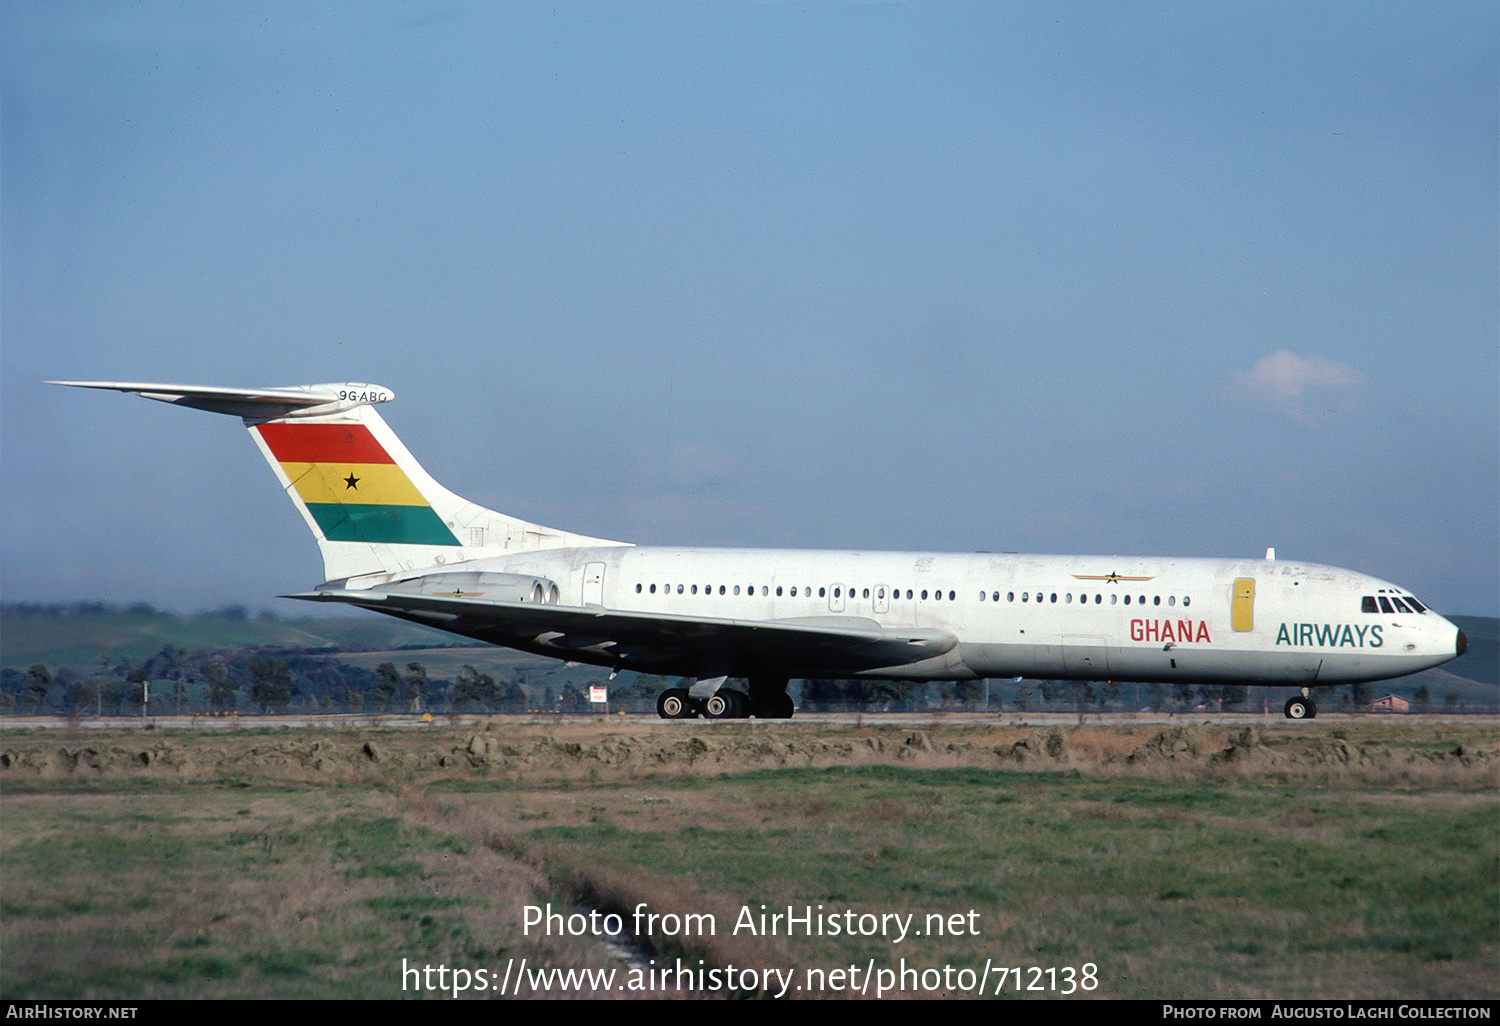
396 541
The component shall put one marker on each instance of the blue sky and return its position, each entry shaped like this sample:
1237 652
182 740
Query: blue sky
1162 279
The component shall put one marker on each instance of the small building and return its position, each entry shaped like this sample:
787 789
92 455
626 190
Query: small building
1390 704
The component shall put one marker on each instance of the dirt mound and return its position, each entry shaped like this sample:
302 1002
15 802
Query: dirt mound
611 749
1038 745
1176 744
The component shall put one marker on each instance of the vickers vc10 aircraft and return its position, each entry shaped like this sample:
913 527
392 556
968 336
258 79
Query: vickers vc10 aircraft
395 541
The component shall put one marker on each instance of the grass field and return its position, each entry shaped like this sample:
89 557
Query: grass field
1341 858
240 891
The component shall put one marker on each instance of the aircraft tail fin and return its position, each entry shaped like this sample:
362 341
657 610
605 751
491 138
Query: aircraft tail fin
375 512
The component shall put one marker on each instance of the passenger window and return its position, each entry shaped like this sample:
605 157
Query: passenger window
1156 601
952 596
1127 600
693 590
1143 600
865 593
908 593
1171 600
1385 605
822 593
1186 601
794 593
995 597
937 596
653 589
1025 596
679 589
637 589
778 591
1054 596
1010 596
1115 598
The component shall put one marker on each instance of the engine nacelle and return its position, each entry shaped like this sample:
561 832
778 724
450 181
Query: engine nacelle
483 587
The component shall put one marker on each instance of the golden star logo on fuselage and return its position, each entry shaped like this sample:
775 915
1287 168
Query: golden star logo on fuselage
1111 577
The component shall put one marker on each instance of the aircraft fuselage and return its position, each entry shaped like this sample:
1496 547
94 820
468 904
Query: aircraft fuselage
1063 617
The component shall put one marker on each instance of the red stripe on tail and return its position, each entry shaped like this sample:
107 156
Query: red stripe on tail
322 443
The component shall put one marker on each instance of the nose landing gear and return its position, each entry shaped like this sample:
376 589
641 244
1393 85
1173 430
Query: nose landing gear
1301 707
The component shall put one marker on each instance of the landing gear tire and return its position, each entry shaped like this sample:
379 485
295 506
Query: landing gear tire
1300 708
778 708
725 705
674 704
768 698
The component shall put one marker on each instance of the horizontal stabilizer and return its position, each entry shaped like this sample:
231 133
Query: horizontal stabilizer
251 403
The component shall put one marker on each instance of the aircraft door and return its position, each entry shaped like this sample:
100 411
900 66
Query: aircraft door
836 598
1242 607
882 599
593 584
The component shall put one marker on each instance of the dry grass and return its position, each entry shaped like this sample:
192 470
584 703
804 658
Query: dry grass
1414 754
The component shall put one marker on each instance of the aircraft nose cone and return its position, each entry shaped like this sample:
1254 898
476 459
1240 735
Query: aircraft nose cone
1463 643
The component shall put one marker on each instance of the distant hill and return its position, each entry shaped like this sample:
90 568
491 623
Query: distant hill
1482 661
1474 676
79 635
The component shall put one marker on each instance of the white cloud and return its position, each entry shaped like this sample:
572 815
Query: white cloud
1298 386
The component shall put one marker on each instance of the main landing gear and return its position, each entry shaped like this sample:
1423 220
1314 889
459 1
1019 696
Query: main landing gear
1302 707
767 700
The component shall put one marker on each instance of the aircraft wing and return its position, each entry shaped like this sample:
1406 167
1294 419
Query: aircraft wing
593 634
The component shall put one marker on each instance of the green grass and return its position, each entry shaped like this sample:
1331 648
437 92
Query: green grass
309 894
1176 879
1204 889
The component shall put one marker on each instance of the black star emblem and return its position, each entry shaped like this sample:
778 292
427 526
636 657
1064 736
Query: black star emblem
351 482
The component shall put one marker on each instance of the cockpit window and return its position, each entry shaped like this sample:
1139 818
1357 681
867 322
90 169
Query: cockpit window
1385 605
1401 607
1367 605
1415 604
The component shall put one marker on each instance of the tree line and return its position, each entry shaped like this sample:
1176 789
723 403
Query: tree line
310 682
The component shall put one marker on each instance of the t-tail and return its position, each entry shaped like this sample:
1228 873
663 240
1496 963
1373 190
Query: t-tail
375 512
